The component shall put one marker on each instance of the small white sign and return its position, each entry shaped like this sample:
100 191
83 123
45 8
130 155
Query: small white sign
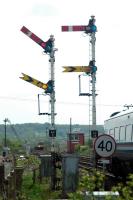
104 161
105 145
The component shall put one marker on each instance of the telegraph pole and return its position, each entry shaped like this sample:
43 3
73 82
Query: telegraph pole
5 139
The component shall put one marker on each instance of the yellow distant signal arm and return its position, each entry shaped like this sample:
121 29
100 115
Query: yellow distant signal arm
77 69
34 81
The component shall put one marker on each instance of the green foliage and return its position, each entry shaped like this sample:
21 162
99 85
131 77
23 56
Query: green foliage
77 148
22 163
125 190
76 196
38 191
14 145
82 149
30 191
88 182
89 142
93 181
31 162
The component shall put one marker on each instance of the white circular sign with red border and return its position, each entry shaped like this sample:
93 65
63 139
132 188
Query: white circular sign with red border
105 145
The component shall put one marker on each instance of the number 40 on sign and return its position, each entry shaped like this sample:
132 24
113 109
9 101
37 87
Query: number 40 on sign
105 145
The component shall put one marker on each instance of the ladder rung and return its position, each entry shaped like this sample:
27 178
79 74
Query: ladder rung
85 94
44 114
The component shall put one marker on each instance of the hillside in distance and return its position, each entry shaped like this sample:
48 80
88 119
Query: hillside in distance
36 131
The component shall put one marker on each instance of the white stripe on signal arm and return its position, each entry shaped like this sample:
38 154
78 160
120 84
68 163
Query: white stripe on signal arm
29 33
70 28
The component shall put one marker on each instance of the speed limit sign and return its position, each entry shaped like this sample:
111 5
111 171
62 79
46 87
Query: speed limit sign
105 145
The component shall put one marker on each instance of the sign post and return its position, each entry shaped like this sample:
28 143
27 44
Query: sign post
105 146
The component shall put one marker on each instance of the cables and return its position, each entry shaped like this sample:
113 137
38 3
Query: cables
58 102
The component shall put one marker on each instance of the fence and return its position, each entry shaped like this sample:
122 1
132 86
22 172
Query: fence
10 186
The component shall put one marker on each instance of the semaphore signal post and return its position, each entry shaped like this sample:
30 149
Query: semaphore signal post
49 87
90 70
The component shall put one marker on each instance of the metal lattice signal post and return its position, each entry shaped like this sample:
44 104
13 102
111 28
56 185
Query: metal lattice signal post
92 97
52 94
90 70
49 49
93 76
49 88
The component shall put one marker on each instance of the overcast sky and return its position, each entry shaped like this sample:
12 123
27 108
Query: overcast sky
18 53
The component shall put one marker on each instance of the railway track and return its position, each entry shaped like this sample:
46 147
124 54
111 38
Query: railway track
87 164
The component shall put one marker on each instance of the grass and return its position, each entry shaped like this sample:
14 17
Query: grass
37 191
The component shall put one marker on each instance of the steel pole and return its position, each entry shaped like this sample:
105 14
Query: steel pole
93 76
52 94
5 139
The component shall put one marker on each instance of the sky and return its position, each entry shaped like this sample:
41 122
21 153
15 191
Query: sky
19 54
